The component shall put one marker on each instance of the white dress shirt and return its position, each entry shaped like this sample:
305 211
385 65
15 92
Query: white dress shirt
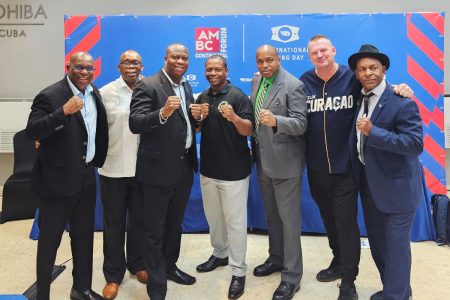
179 91
89 114
123 145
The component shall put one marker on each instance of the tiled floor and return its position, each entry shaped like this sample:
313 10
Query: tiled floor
430 279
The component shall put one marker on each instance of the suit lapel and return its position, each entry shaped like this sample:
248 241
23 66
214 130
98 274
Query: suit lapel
69 94
380 105
276 86
167 87
255 89
378 108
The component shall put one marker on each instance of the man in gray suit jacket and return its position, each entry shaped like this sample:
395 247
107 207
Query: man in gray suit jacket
279 149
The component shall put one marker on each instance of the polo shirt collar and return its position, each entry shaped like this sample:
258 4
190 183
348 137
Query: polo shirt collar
224 89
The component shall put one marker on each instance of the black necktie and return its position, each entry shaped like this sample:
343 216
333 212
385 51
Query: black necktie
362 137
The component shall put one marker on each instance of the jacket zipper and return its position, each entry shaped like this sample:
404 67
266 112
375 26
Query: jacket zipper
325 128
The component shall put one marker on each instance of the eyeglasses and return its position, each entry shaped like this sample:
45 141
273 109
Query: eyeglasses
132 63
81 68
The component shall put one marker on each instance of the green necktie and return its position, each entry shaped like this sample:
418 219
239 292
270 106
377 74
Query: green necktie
258 106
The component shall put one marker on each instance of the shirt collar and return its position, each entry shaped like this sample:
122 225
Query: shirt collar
271 79
123 84
378 90
183 79
77 92
224 89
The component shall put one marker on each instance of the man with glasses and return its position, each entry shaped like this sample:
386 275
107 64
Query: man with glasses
120 192
167 157
69 120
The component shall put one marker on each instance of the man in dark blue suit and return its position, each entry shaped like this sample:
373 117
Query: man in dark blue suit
386 143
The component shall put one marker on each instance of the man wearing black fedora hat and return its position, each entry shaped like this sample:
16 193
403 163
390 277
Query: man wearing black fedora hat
386 143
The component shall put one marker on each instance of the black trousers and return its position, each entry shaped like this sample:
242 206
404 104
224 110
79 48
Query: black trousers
164 211
54 213
337 198
121 197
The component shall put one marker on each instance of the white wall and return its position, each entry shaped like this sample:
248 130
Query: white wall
31 63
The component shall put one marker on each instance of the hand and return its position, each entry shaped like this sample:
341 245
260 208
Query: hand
228 112
266 117
172 104
37 144
72 106
403 90
196 111
205 110
364 125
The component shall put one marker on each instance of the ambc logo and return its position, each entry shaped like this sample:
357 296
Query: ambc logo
211 40
285 33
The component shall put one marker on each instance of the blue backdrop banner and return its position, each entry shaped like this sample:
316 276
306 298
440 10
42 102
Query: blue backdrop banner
413 41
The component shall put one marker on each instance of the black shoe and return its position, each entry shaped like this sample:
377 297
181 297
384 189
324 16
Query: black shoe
212 263
236 288
267 268
84 295
180 277
379 295
331 273
347 291
285 291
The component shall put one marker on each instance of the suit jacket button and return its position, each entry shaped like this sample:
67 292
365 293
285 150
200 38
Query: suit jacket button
83 158
182 157
84 143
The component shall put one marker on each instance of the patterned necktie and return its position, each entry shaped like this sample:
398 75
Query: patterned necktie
362 137
258 106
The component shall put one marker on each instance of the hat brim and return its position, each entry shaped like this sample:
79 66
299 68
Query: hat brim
353 59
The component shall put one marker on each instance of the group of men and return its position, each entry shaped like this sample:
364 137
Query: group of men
345 123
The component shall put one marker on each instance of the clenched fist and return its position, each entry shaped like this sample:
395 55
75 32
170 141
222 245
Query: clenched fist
172 104
228 113
73 105
266 117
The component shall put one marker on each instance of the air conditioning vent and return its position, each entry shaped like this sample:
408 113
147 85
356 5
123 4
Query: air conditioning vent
6 141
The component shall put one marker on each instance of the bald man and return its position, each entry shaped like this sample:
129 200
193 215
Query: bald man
279 146
121 197
167 157
69 120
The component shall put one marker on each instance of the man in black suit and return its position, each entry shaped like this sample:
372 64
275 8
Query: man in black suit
166 159
69 120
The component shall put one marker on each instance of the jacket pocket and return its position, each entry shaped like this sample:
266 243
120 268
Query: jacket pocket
283 138
278 109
